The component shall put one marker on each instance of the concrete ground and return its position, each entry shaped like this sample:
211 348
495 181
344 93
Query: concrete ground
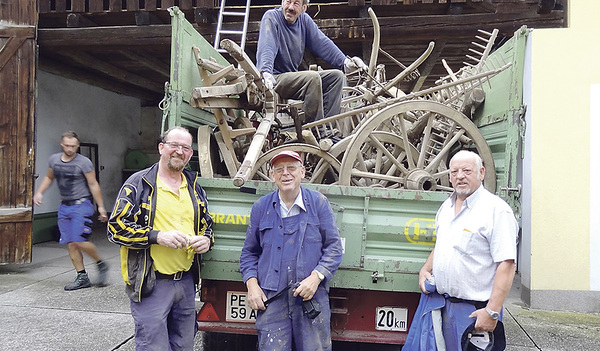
37 314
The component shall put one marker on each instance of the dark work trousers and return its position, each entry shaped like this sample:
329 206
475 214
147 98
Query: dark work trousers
320 91
455 319
284 322
166 319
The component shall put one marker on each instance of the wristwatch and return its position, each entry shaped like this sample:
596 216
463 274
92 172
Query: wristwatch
320 275
493 314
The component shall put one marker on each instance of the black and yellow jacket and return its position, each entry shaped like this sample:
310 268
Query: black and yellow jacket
130 225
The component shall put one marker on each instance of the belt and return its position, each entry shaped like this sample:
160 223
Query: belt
76 201
176 276
477 304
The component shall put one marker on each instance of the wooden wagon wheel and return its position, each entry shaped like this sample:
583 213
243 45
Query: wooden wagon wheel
319 164
446 131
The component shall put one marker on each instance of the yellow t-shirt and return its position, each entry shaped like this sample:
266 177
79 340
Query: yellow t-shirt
173 212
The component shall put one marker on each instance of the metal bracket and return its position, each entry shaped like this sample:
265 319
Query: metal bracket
508 190
380 268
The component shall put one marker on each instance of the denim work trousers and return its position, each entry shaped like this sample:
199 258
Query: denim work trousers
320 91
166 319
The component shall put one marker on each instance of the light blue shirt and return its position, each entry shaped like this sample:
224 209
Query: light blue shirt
296 206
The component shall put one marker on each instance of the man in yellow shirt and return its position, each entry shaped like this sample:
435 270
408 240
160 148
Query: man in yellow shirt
162 223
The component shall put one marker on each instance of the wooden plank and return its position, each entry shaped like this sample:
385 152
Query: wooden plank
356 2
77 5
96 80
61 6
44 6
165 4
115 6
10 48
113 71
150 5
25 127
96 5
185 4
109 36
15 235
21 214
133 5
17 101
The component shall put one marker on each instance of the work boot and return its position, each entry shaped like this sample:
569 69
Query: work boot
82 281
102 271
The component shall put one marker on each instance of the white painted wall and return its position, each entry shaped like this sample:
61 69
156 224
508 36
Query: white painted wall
98 116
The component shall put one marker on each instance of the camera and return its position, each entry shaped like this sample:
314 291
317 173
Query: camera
311 308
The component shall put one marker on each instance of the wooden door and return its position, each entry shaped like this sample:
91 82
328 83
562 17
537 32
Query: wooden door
18 24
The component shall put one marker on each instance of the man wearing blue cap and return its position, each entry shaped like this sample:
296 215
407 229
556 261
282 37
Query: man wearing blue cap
292 247
473 261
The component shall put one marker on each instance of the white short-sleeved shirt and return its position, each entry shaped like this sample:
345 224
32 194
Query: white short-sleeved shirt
470 245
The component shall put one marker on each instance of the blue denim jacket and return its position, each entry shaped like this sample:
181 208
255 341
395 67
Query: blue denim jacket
319 242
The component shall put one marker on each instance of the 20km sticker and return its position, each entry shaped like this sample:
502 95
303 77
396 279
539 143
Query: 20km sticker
391 318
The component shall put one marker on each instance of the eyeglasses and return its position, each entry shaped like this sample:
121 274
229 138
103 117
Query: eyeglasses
176 146
465 171
290 169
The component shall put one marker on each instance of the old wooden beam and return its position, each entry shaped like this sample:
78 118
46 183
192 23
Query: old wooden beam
149 62
113 71
105 36
98 80
76 20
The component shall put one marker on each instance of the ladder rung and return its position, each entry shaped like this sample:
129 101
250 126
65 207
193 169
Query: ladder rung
234 13
231 32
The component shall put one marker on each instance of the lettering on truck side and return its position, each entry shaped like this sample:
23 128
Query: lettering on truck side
225 218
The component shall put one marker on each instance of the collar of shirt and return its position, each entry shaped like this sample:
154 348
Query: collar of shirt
296 206
470 200
164 186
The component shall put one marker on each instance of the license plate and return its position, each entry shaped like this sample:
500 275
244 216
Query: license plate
237 310
391 318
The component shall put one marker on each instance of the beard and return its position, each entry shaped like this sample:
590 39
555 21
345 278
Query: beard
176 164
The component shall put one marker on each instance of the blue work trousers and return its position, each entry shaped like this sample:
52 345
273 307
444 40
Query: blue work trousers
166 319
320 91
75 222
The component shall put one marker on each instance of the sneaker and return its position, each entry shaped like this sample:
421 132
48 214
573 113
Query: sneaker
82 281
102 271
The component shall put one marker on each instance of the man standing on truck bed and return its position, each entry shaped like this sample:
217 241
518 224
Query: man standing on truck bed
473 262
284 34
77 183
292 238
161 221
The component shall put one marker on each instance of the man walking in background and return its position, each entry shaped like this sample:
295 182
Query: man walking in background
76 179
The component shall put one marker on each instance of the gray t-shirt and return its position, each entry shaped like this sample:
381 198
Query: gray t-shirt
70 176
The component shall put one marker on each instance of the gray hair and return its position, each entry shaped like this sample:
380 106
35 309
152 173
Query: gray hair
469 154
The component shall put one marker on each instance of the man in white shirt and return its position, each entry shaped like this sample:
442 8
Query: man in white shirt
473 261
